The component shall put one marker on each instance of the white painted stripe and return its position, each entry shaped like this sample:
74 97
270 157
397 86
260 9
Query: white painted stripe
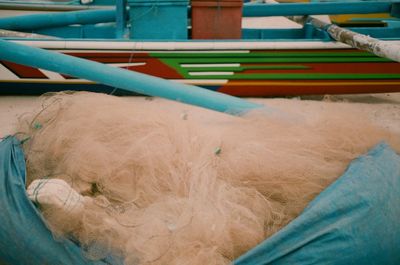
211 65
193 46
201 81
52 75
6 74
210 73
57 77
126 64
150 51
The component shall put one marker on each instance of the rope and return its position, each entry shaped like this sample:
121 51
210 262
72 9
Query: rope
153 6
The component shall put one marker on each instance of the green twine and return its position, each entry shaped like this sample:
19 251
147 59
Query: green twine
37 189
37 126
25 140
218 150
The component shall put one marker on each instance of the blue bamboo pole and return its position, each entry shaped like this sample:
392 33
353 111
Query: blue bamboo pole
122 78
57 19
328 8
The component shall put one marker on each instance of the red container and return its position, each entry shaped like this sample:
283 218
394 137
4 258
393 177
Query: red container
217 19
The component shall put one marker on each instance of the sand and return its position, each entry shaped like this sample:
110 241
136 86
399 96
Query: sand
12 107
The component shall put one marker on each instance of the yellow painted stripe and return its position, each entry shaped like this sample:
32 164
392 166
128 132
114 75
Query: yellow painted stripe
348 18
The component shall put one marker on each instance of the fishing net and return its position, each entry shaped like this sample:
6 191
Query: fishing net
173 184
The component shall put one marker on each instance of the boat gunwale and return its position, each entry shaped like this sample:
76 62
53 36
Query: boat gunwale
97 44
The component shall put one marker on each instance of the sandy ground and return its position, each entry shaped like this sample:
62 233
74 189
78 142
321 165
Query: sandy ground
384 108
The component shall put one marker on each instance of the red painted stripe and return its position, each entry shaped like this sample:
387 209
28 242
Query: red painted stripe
23 71
116 59
155 67
88 55
337 68
278 90
152 66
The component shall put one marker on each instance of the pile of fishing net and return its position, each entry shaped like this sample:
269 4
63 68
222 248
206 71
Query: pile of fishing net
164 183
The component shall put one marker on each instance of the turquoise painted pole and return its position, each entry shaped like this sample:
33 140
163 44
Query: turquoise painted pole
37 21
122 78
121 18
324 8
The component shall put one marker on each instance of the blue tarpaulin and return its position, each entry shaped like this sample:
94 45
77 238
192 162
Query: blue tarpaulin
356 220
24 237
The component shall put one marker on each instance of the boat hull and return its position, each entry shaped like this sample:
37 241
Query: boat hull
268 69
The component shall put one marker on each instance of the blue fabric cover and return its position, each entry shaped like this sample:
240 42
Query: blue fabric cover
356 220
24 237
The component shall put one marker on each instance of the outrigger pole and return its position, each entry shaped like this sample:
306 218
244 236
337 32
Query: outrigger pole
359 41
354 39
124 79
16 34
56 19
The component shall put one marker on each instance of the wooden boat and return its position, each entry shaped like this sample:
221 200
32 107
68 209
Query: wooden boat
264 62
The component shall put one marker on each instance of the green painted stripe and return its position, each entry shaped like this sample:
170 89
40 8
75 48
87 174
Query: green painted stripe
302 76
176 64
243 68
279 60
273 54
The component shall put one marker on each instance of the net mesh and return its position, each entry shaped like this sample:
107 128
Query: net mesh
166 186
